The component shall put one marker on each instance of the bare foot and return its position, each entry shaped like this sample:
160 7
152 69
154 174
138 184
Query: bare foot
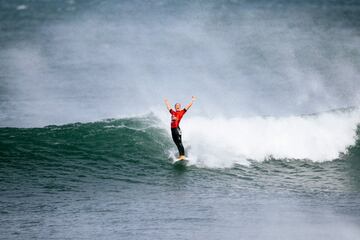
182 157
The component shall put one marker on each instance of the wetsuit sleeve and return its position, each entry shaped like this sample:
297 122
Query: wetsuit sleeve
184 110
171 111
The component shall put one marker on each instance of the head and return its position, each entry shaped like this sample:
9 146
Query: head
177 106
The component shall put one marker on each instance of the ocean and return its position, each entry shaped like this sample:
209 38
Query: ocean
273 139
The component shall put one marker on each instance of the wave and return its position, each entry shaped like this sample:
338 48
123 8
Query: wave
122 149
144 142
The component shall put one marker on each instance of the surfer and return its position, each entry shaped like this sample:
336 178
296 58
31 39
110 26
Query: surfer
176 117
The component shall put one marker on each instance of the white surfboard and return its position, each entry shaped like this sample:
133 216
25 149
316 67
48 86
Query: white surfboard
181 162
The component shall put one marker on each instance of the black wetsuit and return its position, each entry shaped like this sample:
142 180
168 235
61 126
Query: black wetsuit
176 136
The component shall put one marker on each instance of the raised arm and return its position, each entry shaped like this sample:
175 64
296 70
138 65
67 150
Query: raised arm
191 103
167 104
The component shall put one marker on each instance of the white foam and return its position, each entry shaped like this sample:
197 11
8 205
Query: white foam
221 142
21 7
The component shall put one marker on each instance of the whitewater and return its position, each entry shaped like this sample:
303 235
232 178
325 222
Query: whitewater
222 142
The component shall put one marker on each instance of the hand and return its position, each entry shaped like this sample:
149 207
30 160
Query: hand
193 98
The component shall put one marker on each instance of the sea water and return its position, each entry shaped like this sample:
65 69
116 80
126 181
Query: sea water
272 140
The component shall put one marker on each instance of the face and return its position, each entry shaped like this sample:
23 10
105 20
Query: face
177 107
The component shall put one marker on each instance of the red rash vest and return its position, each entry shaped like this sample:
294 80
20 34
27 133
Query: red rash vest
176 116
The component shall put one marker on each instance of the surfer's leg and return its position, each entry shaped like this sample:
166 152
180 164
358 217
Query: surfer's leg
176 136
180 145
181 149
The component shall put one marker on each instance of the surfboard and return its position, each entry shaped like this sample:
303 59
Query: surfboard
181 162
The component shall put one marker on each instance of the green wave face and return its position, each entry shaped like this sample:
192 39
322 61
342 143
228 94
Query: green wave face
108 148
